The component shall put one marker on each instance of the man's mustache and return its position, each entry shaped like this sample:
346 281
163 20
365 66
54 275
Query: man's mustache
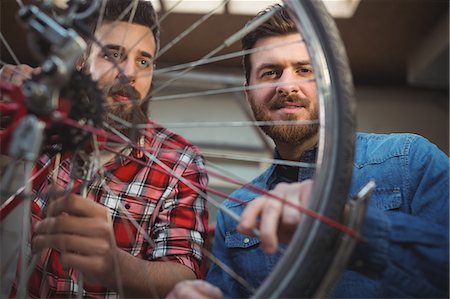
279 102
123 89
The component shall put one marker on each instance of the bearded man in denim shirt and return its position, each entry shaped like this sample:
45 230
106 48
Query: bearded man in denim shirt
408 218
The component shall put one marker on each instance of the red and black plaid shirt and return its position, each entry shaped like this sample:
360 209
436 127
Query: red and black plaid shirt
180 226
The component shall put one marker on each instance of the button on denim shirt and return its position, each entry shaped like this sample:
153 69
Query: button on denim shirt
406 224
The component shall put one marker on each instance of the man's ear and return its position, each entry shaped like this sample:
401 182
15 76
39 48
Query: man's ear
246 91
82 63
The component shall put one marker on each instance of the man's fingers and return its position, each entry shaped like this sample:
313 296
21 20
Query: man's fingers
269 225
16 74
208 290
291 215
262 213
249 217
68 224
36 70
71 243
92 266
298 194
195 289
76 205
275 219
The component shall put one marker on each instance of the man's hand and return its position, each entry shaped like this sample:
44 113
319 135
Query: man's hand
275 220
16 74
195 289
82 231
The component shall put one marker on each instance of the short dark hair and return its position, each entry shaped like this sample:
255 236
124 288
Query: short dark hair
280 23
144 15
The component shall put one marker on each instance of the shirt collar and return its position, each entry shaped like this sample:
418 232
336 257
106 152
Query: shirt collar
291 174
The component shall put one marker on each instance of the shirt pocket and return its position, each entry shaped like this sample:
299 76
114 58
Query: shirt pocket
127 212
248 259
239 241
387 198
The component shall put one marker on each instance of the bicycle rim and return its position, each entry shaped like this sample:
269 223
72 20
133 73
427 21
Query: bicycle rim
306 260
314 245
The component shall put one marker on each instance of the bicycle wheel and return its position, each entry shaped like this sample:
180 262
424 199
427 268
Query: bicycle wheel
314 245
309 257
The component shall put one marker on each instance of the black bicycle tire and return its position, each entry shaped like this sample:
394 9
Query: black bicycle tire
306 262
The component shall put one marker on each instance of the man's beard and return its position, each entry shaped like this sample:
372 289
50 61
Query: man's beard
286 133
129 112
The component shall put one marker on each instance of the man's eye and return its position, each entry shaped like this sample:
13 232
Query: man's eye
113 55
270 74
305 71
144 63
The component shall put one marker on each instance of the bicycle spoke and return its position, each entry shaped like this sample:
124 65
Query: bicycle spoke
229 41
195 188
221 91
241 53
19 2
260 160
8 47
191 28
231 214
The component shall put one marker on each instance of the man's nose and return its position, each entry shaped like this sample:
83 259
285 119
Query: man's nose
128 71
288 83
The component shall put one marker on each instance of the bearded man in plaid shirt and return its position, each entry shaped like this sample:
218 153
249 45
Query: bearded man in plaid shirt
141 225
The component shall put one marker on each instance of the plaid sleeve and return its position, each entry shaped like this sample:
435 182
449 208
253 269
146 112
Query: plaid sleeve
180 230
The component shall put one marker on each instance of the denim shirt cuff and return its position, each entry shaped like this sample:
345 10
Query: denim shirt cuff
370 257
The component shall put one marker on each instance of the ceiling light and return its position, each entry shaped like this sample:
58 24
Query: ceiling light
191 6
341 8
337 8
249 7
156 4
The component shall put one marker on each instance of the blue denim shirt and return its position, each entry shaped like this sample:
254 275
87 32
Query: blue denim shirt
406 225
